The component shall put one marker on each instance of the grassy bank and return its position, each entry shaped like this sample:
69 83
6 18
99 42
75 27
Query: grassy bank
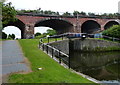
51 71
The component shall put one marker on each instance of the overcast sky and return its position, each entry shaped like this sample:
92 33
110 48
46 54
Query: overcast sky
95 6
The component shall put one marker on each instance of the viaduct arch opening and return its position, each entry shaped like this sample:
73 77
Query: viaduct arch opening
12 30
110 24
90 27
19 24
61 26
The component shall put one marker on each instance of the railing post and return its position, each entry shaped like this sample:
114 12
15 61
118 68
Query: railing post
69 62
70 51
55 39
47 49
43 47
59 57
62 37
113 38
52 52
48 39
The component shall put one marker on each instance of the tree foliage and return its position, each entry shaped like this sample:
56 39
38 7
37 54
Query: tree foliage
51 32
66 14
8 13
49 12
113 31
4 35
75 13
37 34
11 36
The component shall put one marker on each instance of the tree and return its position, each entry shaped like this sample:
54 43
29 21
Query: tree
8 13
9 36
75 13
113 31
51 32
66 14
13 36
91 14
37 34
83 13
4 35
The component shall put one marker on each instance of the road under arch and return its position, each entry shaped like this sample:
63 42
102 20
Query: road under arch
90 27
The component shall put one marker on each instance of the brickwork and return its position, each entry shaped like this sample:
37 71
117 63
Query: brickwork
30 22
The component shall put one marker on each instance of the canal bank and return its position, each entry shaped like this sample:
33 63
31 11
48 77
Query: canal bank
86 45
92 48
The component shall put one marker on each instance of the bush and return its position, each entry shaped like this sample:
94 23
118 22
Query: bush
40 36
37 34
113 31
4 35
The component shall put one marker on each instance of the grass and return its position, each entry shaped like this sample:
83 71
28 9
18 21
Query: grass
52 72
107 40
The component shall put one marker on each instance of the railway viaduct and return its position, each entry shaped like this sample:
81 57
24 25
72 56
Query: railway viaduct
62 24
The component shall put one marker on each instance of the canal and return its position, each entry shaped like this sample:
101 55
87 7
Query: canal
103 66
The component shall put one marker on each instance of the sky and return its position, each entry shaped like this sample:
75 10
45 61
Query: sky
95 6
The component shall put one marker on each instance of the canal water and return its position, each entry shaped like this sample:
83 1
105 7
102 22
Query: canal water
103 66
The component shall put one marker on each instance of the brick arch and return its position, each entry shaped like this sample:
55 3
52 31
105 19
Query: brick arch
90 26
110 23
18 23
60 25
88 19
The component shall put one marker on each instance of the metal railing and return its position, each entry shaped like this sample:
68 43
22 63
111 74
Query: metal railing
55 53
111 38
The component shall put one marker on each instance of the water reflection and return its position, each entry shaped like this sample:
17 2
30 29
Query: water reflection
101 66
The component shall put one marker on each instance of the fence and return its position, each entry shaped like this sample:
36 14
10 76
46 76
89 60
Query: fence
55 53
111 38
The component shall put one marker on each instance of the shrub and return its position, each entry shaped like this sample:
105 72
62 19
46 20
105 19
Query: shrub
113 31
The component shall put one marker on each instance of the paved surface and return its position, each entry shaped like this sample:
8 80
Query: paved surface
12 58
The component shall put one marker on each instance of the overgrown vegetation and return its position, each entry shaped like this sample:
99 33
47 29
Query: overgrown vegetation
75 13
10 36
8 13
113 31
50 32
51 71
